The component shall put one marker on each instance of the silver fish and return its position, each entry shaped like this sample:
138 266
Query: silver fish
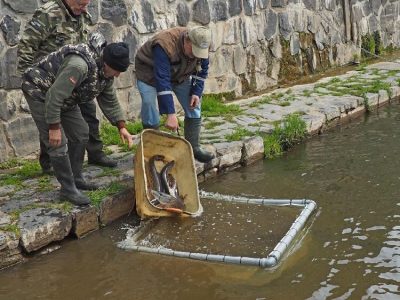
155 176
163 200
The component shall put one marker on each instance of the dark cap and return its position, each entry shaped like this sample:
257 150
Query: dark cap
116 56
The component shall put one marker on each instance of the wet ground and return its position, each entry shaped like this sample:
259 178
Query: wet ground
351 250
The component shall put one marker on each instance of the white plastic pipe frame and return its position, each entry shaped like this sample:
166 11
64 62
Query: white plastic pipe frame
273 257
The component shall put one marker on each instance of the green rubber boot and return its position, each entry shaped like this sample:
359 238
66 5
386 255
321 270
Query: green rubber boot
192 135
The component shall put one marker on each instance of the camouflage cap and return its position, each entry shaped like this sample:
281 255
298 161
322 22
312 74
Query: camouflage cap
200 37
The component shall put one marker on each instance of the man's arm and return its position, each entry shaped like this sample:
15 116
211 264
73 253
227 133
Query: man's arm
36 32
111 108
71 74
162 74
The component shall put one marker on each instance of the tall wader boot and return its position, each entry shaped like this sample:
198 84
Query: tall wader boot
192 135
44 159
76 153
94 147
62 169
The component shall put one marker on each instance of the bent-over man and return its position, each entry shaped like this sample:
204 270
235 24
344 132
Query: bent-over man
55 86
175 61
55 24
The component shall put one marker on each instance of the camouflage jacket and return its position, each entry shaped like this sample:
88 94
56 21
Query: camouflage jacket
46 82
51 27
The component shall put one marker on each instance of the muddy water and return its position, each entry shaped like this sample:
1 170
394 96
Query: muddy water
351 251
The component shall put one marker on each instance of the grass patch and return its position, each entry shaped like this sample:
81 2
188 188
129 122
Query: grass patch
272 145
110 134
292 130
44 184
213 107
98 195
25 169
212 124
14 228
238 134
12 163
284 103
110 172
307 93
263 100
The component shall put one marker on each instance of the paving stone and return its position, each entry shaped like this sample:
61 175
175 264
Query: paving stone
117 206
253 150
10 253
41 226
230 153
84 220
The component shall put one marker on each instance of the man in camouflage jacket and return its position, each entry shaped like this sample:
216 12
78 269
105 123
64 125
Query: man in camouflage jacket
55 24
55 86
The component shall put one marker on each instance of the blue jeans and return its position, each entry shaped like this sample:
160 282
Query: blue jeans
149 113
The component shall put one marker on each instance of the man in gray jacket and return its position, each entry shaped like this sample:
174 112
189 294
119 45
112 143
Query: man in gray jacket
55 24
55 86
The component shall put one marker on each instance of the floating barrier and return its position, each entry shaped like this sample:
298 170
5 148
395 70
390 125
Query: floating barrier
273 258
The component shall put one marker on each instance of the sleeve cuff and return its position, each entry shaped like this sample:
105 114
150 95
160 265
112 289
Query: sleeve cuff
54 126
121 124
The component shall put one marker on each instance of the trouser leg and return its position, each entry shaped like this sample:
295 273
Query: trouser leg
192 121
58 155
94 146
149 111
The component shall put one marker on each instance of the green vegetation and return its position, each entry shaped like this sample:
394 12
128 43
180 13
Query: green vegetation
98 195
263 100
12 163
65 207
378 43
212 124
368 45
227 96
11 228
272 145
24 169
44 184
212 106
292 130
110 134
110 172
238 134
307 93
284 103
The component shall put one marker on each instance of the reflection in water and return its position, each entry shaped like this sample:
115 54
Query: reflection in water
351 251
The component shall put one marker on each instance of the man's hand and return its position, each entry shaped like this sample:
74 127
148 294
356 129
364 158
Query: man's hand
126 137
55 137
194 102
172 122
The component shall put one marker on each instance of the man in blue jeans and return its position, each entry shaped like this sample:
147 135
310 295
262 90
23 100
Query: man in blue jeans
175 61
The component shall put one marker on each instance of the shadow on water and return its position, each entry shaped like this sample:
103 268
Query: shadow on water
351 251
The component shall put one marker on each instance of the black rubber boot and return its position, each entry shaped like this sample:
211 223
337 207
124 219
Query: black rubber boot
44 160
192 135
63 172
102 161
76 153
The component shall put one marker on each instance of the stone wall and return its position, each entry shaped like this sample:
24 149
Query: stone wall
256 44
